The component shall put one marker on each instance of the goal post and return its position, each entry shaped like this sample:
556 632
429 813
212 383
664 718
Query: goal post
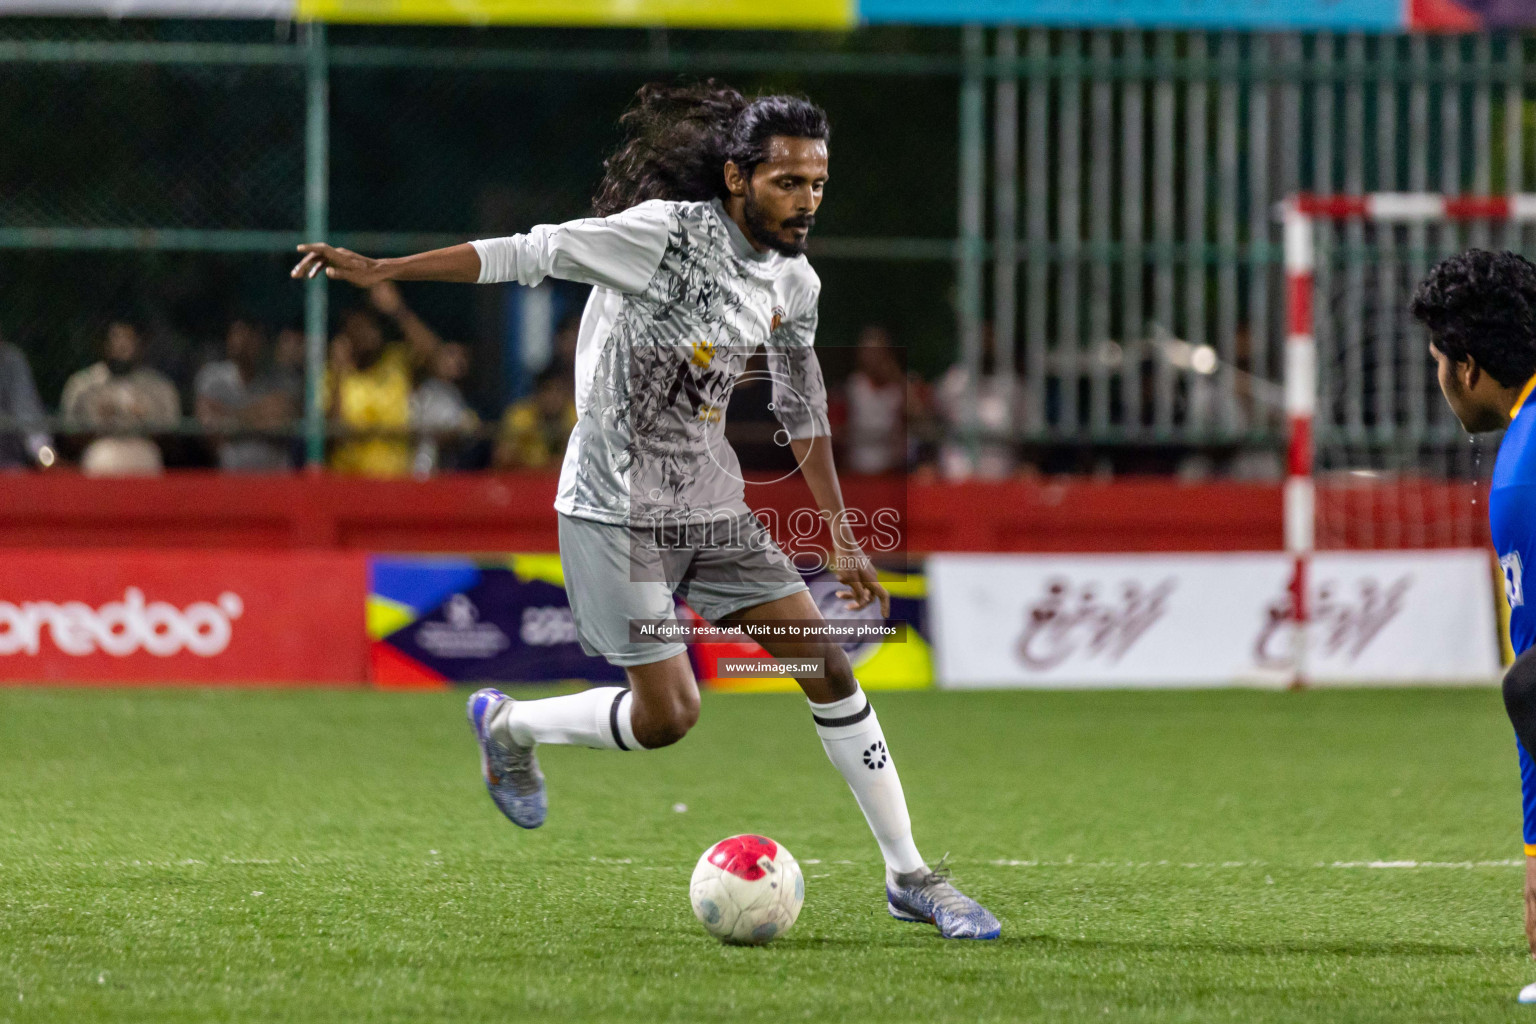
1375 459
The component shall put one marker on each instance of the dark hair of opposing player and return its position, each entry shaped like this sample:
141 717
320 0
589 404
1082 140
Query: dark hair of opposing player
1481 305
677 139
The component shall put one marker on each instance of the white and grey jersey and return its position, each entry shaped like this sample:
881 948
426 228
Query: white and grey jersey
680 300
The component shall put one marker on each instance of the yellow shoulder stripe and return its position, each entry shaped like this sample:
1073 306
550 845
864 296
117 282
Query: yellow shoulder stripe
1525 393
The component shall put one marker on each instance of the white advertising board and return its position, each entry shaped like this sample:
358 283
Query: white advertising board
1391 617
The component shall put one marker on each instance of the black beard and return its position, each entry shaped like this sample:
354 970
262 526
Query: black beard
762 230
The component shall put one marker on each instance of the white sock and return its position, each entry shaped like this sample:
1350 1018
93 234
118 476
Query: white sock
599 717
850 734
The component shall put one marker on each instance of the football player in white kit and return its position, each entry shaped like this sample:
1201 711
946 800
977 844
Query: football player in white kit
696 260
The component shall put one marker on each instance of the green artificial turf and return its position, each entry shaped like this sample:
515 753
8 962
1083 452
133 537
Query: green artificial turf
332 856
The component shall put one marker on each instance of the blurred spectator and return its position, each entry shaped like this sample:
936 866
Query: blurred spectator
238 395
287 370
978 439
125 399
289 355
24 439
534 431
876 399
922 426
368 387
439 414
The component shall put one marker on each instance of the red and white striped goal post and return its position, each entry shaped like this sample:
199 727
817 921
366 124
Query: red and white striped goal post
1300 214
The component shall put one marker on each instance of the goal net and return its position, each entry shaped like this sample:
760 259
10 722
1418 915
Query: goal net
1377 460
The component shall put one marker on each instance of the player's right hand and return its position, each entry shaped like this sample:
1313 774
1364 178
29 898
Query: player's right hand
339 265
859 578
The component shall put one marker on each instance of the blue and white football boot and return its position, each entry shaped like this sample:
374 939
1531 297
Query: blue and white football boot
926 896
511 772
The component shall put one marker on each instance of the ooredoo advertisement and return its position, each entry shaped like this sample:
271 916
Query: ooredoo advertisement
182 617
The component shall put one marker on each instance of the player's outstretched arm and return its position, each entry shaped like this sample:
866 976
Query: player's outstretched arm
456 263
620 252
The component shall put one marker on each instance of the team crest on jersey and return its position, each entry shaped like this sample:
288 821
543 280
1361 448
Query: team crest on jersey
778 318
1514 584
703 354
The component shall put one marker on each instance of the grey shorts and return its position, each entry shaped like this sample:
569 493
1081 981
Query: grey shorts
614 574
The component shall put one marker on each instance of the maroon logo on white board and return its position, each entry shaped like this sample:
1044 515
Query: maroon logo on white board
1340 626
1074 619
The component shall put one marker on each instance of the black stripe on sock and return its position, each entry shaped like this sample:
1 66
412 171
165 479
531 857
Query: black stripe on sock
837 723
613 719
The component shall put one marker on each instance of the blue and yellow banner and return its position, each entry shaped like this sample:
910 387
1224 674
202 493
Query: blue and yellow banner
435 620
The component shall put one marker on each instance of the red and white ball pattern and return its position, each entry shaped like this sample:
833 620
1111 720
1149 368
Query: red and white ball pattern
747 890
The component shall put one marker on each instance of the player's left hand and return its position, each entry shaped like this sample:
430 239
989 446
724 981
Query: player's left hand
339 265
853 568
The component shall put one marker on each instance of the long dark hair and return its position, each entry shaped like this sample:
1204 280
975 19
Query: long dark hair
677 139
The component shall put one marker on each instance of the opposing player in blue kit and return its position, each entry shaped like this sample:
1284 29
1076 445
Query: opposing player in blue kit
1480 308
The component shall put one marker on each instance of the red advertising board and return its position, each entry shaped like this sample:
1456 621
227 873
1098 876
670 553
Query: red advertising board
158 617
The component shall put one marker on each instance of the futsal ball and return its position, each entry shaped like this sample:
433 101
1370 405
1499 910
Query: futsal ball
747 890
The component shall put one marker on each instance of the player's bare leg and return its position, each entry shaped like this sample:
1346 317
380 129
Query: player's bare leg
666 701
1528 994
851 735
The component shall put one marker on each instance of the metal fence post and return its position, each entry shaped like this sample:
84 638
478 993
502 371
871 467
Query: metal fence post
1037 230
316 210
1005 206
972 238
